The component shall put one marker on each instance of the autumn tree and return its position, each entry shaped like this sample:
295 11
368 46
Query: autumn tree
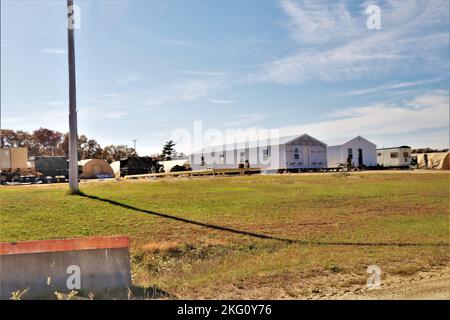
48 140
20 138
89 148
116 152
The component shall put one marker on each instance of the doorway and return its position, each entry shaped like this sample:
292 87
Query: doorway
360 158
306 160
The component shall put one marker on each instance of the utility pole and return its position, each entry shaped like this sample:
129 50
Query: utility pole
73 134
134 141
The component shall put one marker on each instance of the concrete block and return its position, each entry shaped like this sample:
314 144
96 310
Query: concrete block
97 266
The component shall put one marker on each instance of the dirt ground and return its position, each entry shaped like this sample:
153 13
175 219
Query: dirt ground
430 285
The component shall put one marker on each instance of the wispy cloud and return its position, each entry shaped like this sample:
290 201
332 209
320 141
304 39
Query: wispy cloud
425 111
172 42
247 119
188 91
336 45
203 73
392 86
116 115
128 78
4 43
162 40
53 51
243 120
222 101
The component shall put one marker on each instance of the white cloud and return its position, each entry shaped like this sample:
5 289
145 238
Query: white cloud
53 51
203 73
4 43
165 41
427 111
222 101
128 78
116 115
243 120
392 86
188 91
172 42
334 45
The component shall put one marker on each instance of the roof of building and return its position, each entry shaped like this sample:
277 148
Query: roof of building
401 147
357 137
258 143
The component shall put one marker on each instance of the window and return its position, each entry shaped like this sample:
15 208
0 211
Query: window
242 154
296 150
379 154
296 156
350 154
405 154
394 154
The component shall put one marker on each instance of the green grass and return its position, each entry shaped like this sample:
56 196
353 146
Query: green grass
321 211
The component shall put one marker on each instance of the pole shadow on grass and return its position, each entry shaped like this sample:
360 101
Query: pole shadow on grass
259 235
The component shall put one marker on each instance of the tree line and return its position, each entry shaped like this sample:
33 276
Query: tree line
46 142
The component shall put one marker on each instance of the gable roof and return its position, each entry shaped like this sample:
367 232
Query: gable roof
259 143
355 138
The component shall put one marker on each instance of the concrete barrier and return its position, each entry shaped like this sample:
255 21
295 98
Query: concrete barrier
96 267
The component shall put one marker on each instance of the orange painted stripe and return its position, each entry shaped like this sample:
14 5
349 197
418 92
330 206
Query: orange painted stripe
8 248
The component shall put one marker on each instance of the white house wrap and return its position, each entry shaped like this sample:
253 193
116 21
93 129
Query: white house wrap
361 151
286 153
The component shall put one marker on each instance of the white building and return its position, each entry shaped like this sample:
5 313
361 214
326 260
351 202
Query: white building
360 151
288 153
394 157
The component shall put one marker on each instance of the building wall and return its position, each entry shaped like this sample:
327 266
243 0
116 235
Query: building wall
338 154
42 267
334 156
217 158
302 155
304 152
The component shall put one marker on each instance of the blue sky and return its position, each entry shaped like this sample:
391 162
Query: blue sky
147 68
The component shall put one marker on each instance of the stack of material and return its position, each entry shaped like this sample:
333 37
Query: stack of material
13 158
116 168
433 160
168 165
95 169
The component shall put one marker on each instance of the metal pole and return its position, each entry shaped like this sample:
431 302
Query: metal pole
134 140
73 134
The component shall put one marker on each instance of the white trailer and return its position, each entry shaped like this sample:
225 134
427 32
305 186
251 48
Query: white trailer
359 151
396 157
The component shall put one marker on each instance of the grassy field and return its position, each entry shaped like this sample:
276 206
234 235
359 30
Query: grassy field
283 236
